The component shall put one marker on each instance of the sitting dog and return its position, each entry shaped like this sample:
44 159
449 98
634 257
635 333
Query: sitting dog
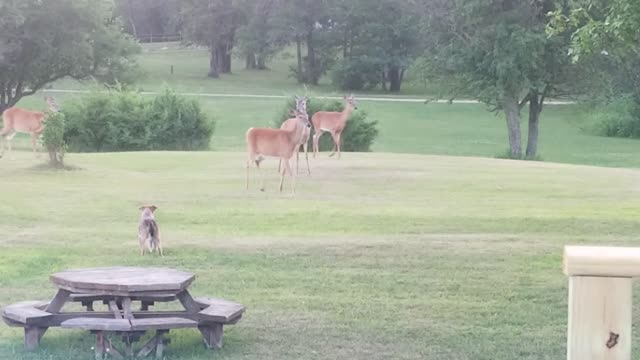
148 230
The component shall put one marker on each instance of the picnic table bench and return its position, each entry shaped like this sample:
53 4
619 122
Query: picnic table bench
118 288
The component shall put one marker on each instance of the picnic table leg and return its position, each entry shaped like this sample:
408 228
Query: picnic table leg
100 348
212 335
160 343
33 335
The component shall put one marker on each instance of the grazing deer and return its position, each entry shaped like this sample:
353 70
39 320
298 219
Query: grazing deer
17 120
301 105
277 143
332 122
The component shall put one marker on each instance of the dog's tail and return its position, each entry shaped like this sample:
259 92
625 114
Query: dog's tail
153 233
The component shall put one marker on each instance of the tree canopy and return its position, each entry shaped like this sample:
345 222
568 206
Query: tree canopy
43 41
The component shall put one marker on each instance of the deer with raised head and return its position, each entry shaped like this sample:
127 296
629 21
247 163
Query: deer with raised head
17 120
301 105
278 143
332 122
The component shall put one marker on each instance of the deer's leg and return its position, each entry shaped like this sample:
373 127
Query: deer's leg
335 142
306 154
9 140
316 139
34 136
293 179
283 172
262 176
246 174
298 159
338 137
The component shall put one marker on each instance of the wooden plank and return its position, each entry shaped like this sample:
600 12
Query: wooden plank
32 336
100 346
58 301
148 347
220 310
126 304
58 319
124 279
25 315
601 261
162 324
187 301
107 297
97 324
112 350
599 318
115 309
212 335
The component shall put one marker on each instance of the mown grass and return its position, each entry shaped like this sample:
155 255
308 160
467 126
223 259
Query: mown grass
378 256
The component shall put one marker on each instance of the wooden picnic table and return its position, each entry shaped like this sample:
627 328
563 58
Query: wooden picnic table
119 287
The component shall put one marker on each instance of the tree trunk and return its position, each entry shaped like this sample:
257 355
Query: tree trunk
512 113
213 62
535 108
311 71
299 54
384 80
395 78
261 63
251 62
131 19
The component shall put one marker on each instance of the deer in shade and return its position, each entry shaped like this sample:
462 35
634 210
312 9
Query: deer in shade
17 120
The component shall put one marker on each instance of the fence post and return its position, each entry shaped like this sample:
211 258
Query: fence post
600 301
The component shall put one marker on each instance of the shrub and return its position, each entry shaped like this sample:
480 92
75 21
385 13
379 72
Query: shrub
358 135
122 120
53 139
357 74
619 118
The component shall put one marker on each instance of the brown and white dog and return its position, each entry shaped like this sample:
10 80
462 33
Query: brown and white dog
148 233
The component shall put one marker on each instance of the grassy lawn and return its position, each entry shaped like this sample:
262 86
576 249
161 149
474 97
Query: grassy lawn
379 256
427 248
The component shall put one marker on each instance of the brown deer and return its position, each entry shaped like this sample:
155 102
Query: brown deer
15 120
279 143
332 122
301 105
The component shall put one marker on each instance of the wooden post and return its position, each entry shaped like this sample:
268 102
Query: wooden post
212 335
600 301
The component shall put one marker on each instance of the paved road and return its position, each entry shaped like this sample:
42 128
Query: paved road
257 96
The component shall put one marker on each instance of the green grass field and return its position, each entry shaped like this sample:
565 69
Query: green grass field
426 248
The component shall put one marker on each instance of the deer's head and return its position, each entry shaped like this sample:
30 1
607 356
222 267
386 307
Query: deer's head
301 103
302 116
351 101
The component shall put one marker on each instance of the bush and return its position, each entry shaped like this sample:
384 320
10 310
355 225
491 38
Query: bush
121 120
177 123
619 118
358 135
53 139
357 74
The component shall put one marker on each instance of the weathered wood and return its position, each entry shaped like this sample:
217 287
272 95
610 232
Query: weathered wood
126 307
220 310
97 324
212 335
599 318
106 297
100 346
115 309
162 324
58 301
188 302
125 280
58 319
112 350
160 345
26 315
32 336
601 261
148 347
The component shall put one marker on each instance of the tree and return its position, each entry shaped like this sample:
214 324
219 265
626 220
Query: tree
387 45
258 39
43 41
214 23
498 52
309 23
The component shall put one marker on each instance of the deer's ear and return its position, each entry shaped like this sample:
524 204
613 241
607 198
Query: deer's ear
292 113
153 208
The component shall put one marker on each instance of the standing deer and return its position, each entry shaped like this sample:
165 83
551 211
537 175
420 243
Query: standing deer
332 122
301 105
17 120
277 143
